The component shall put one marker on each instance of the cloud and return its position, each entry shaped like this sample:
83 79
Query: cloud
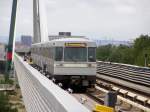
118 19
5 13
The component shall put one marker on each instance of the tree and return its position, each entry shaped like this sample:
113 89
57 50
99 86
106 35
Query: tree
103 52
121 54
141 47
136 54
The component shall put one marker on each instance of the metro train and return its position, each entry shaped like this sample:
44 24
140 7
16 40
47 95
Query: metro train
70 61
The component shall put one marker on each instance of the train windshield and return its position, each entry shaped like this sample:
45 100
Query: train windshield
75 54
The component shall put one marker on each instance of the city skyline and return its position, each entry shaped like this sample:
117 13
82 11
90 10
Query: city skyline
98 19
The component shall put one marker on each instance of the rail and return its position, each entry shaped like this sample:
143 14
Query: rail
40 94
133 77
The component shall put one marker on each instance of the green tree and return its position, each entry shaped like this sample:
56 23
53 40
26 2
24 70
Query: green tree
103 52
141 47
134 54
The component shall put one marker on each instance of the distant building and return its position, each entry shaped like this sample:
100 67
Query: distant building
21 48
24 45
2 52
26 40
2 57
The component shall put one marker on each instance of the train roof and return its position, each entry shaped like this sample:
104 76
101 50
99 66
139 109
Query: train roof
73 39
63 40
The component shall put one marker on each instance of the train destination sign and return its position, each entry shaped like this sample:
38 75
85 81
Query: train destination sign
75 44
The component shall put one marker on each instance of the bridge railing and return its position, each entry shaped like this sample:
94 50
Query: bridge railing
42 95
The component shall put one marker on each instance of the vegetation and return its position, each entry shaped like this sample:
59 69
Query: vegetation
9 81
134 54
5 106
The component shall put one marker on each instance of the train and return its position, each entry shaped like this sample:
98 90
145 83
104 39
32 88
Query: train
70 61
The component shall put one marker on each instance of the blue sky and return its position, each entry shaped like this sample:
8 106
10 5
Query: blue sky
101 19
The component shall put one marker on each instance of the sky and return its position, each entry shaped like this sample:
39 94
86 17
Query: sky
97 19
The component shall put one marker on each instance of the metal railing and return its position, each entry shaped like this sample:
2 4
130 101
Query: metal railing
40 94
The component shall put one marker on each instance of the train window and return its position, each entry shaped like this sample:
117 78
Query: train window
52 52
75 54
58 53
35 50
41 51
38 50
49 52
32 50
46 51
91 54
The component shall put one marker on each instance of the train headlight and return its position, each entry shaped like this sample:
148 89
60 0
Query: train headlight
92 65
85 83
59 64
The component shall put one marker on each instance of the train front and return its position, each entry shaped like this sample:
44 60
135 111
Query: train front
75 63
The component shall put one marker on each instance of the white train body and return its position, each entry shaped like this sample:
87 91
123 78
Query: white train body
71 60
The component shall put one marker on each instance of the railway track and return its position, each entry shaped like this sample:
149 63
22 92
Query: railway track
133 77
126 93
124 74
131 83
145 91
125 101
86 100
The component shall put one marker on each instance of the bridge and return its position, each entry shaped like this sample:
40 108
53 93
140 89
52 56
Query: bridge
40 94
